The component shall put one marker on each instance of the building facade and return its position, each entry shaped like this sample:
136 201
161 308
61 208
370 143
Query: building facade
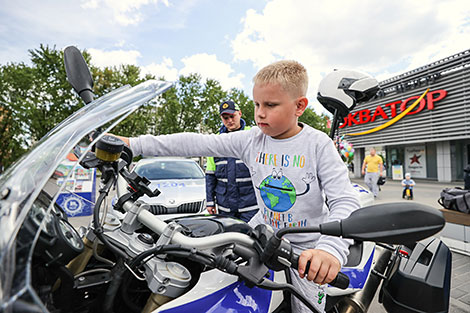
419 122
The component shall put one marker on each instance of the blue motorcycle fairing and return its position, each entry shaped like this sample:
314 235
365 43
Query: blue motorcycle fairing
358 276
235 298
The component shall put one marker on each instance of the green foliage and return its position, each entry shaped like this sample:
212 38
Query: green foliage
212 97
35 98
191 106
247 106
14 83
50 100
111 78
316 121
181 106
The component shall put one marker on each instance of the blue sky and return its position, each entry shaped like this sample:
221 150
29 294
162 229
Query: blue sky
229 40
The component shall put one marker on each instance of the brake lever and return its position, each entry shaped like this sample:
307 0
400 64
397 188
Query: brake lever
254 271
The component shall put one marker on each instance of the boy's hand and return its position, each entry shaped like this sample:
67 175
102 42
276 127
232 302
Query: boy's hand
323 266
125 139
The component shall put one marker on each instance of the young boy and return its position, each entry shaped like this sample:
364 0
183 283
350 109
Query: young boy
408 183
294 168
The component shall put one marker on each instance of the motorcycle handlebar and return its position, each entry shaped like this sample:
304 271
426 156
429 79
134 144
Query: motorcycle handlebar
151 221
341 280
159 226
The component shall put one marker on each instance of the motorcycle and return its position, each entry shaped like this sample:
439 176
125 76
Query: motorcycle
130 258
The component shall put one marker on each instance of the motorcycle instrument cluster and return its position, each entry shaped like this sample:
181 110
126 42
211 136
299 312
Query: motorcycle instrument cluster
58 242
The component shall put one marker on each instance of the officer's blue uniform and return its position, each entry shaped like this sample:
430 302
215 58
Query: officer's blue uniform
228 183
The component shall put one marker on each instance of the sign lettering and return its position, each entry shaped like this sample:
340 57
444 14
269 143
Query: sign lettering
390 110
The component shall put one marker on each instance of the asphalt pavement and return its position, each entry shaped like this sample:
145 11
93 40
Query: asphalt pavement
427 192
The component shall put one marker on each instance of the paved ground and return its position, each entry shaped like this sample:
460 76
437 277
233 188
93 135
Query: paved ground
427 193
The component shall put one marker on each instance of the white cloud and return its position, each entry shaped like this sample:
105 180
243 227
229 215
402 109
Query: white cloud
90 4
381 38
126 12
208 66
120 43
103 58
164 69
203 64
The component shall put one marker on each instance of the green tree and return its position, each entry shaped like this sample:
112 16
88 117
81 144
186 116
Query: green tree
180 108
36 97
212 96
15 80
316 121
111 78
193 106
50 99
247 106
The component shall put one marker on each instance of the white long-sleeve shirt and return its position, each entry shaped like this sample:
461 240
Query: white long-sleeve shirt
291 177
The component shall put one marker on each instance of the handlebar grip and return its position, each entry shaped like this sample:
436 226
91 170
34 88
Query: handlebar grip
341 280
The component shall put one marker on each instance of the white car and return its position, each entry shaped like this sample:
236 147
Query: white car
181 182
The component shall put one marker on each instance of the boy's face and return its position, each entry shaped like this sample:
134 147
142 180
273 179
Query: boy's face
276 111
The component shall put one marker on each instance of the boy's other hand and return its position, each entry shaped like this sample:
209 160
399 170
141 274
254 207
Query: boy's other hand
323 266
125 139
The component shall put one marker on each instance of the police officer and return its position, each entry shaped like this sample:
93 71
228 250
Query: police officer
228 181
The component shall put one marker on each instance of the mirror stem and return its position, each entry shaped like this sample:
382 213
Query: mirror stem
334 125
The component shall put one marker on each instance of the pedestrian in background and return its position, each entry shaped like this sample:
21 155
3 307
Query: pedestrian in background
372 170
228 182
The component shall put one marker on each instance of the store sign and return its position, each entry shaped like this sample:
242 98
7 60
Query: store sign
415 161
366 116
397 172
391 109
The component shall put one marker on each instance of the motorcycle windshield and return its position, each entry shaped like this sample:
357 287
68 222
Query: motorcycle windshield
21 184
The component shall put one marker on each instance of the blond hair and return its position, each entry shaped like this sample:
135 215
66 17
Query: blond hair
291 75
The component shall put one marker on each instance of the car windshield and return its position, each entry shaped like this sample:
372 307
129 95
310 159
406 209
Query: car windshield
167 169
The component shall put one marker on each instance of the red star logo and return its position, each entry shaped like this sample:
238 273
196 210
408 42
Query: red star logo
415 159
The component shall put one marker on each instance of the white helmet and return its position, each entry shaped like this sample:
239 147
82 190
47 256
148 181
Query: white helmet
341 89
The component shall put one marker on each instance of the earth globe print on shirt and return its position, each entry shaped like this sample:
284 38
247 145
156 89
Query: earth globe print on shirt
278 192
